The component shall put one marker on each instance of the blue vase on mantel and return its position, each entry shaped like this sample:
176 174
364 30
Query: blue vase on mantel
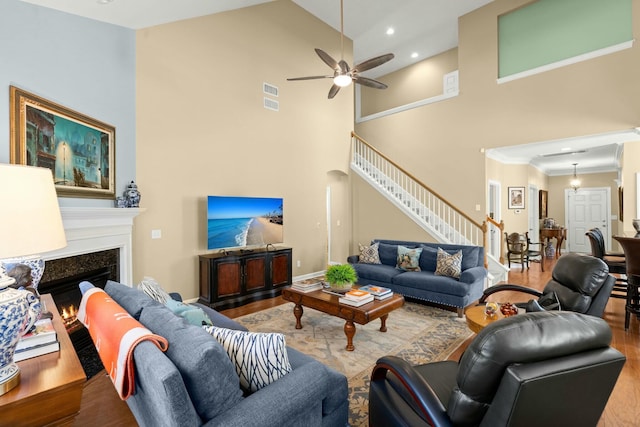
19 310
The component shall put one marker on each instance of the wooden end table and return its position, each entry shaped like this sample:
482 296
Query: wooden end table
329 304
477 320
50 386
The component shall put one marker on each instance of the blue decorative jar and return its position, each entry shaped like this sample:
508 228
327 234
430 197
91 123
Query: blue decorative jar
132 195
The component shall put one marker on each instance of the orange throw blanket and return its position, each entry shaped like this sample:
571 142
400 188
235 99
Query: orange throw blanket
115 334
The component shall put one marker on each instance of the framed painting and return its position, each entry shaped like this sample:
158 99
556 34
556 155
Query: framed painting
516 197
543 197
79 150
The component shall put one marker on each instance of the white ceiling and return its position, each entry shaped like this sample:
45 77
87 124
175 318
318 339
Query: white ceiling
426 27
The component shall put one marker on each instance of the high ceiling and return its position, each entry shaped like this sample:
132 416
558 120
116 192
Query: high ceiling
423 27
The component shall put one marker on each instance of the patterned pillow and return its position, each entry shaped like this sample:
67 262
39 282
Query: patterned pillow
369 254
449 265
408 259
259 358
153 289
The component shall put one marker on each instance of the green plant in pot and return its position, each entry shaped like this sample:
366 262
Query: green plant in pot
341 277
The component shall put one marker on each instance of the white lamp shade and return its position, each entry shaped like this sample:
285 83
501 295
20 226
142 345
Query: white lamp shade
30 220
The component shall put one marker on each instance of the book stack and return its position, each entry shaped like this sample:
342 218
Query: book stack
378 292
308 285
42 339
356 298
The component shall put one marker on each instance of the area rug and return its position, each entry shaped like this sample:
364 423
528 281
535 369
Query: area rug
416 333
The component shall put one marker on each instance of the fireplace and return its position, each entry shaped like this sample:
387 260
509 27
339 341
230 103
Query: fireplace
61 279
99 248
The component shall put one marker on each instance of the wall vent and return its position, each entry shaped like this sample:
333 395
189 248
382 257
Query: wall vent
271 104
270 89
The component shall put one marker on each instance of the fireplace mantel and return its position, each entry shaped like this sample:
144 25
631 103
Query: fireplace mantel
97 229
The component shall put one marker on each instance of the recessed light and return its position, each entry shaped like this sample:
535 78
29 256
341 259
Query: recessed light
565 149
104 1
390 31
414 55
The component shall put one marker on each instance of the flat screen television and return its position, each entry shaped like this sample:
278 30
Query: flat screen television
244 221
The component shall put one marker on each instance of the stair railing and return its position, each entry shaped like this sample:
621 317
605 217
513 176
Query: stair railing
421 203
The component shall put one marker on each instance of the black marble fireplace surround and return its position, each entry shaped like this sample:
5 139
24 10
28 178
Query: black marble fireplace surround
61 278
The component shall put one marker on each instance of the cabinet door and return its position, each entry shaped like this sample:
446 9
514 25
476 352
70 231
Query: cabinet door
281 269
255 273
228 277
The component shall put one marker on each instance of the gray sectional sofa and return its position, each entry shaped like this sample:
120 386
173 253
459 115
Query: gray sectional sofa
194 382
425 284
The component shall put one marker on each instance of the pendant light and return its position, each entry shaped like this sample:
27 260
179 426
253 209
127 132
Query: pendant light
575 182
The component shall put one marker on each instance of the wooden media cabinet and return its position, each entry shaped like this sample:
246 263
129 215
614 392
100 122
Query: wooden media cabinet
231 279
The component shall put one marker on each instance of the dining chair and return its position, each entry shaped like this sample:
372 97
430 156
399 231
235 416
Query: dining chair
614 260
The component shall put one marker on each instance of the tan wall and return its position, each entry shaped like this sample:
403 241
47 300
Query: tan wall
420 81
441 143
202 130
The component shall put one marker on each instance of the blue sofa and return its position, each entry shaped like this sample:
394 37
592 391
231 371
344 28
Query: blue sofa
424 284
191 385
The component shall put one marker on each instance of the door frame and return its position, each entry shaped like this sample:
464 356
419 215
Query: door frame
534 213
497 214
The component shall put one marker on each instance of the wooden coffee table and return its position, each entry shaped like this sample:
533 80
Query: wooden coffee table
329 304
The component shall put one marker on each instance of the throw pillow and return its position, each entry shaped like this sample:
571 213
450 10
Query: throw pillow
193 315
449 265
259 358
152 288
131 299
408 259
369 254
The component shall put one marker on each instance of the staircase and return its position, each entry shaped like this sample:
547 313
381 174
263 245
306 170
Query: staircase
430 211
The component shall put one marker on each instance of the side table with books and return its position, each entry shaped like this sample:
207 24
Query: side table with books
50 388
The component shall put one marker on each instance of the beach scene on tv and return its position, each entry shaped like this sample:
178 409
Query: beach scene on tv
243 221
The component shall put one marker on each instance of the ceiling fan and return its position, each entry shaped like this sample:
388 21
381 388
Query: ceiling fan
342 74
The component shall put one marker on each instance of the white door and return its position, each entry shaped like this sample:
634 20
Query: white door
585 209
493 206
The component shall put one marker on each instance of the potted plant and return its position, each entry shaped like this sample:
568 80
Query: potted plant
341 277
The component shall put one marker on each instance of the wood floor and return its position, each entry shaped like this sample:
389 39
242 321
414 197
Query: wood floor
101 406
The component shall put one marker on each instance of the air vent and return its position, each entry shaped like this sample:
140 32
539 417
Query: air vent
270 89
565 153
271 104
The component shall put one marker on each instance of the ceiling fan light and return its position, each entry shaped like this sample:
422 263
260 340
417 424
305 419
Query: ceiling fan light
342 80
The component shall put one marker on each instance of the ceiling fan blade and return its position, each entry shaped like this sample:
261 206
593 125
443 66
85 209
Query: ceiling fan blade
328 59
373 62
333 91
309 78
369 82
343 66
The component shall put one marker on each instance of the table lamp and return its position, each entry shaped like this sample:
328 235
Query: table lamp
30 223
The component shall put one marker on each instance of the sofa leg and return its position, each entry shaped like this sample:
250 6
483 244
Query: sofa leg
461 312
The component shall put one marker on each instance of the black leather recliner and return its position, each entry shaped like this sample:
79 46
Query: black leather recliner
579 282
548 368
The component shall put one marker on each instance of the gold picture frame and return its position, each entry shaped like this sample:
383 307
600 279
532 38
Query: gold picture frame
78 149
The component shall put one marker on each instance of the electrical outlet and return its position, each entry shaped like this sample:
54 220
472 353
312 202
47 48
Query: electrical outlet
156 234
298 263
